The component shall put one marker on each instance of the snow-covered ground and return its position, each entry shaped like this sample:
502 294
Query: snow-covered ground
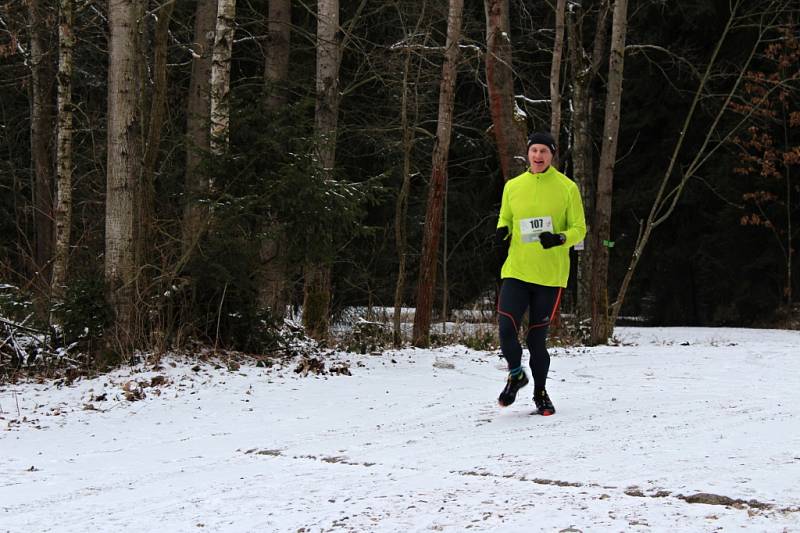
644 433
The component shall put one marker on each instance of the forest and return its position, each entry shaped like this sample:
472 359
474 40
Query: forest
179 173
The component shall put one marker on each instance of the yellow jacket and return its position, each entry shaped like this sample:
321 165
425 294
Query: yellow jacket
548 201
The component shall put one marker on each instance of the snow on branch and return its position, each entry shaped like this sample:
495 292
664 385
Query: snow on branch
530 100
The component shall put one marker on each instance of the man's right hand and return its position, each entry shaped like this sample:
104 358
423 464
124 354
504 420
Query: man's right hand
502 242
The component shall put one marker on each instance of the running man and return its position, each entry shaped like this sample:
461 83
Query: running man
541 216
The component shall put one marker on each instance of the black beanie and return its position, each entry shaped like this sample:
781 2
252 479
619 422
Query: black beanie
541 137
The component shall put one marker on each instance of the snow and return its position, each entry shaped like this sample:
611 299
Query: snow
414 441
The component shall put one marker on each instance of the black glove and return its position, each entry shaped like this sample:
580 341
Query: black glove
502 242
549 240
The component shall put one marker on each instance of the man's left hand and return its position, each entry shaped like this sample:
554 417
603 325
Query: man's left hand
549 240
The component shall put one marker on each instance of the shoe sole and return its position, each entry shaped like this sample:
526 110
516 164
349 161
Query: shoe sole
544 411
501 404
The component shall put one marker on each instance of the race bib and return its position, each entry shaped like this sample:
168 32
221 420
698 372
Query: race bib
530 228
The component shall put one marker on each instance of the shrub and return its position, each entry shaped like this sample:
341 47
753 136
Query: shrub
84 314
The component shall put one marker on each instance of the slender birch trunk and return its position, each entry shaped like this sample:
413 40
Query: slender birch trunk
317 282
63 206
317 275
327 82
509 126
433 213
221 77
601 328
124 165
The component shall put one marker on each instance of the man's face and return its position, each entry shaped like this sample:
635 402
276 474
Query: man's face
540 157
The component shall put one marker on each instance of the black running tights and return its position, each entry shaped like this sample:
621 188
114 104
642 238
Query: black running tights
541 302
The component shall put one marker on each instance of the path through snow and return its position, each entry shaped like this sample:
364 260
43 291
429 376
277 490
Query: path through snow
414 441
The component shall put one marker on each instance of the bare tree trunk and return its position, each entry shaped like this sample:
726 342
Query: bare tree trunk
42 126
445 255
155 126
509 128
789 207
327 82
583 68
63 207
555 72
601 328
433 213
276 62
272 285
198 111
274 270
401 205
221 77
317 283
124 166
317 300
